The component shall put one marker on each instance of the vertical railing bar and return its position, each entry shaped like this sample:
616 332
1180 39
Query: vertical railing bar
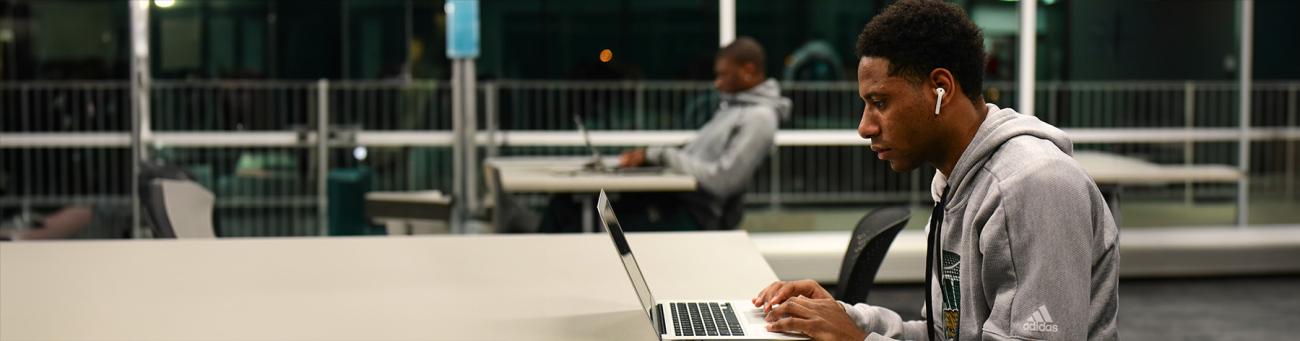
1290 174
490 114
322 155
774 199
1189 117
25 119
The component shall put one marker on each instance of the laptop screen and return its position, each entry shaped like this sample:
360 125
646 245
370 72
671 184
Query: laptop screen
582 128
610 222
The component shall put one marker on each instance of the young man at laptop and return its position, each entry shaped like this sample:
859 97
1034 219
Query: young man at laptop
1021 244
722 157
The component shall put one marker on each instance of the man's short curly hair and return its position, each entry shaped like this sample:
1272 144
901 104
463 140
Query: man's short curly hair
744 50
918 36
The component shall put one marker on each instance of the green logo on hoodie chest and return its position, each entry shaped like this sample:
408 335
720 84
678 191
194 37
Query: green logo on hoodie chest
950 287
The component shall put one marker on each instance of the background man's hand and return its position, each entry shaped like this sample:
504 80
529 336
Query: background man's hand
780 291
632 158
820 319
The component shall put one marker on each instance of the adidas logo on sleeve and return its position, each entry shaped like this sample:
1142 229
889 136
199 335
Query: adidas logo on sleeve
1040 321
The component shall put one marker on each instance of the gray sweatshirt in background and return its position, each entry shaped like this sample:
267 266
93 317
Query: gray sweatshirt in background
728 149
1029 249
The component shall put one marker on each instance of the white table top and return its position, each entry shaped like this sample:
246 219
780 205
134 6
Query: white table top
417 197
560 174
564 174
1107 168
534 287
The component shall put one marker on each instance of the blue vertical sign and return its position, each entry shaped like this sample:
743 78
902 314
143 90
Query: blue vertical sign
462 29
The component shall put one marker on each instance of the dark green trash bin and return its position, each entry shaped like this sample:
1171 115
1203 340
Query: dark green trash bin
347 202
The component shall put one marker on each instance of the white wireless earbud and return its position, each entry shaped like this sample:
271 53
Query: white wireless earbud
938 101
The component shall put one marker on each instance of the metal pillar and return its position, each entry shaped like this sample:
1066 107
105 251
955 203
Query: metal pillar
470 145
1028 34
463 48
140 79
1247 22
464 147
726 22
457 145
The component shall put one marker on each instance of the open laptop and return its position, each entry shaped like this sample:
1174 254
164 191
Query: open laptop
597 164
688 320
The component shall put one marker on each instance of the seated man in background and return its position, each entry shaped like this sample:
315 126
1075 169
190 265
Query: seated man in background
1021 243
725 153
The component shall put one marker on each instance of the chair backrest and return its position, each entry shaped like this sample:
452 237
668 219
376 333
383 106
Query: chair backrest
492 180
181 209
174 205
508 215
733 211
733 207
867 248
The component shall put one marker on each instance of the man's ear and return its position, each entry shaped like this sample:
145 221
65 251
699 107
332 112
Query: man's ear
942 78
751 71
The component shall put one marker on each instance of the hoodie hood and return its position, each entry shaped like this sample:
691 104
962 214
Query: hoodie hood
998 127
767 93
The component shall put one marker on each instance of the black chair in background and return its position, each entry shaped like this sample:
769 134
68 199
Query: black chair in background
733 211
174 205
507 214
867 248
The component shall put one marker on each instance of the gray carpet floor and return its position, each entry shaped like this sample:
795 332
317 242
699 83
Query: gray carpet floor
1252 308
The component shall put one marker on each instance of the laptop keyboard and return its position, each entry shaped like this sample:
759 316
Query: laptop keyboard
705 319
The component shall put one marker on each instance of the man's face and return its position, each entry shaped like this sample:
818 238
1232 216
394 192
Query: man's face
728 75
898 118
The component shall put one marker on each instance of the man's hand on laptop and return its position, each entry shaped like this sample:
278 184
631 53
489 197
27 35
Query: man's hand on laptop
780 291
821 319
632 158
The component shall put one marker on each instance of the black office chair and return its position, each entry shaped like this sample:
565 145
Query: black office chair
733 211
867 248
703 218
174 205
508 215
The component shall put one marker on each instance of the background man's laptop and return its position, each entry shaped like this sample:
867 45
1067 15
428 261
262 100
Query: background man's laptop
597 164
681 320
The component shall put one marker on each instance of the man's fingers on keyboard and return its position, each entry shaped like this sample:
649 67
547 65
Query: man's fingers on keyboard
765 294
780 296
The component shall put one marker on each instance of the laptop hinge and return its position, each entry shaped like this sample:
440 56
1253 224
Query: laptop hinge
659 316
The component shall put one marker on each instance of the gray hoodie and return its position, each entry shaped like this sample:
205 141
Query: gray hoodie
728 149
1029 248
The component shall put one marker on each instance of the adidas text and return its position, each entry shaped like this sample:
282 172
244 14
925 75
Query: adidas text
1039 327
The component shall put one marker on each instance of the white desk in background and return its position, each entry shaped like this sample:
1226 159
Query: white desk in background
410 212
1112 172
495 287
1107 168
565 174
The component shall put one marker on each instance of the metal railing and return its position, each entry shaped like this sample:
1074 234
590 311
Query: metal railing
254 143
